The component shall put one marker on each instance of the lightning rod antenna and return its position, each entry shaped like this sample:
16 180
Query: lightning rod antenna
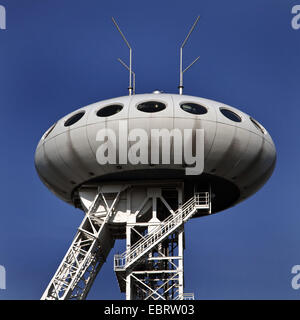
181 56
130 56
133 73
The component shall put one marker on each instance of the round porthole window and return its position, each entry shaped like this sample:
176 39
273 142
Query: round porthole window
258 126
193 108
109 110
75 118
151 106
230 115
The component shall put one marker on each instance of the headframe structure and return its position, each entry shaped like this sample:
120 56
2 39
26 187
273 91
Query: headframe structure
147 204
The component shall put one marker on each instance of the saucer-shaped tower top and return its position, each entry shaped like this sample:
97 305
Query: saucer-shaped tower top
239 154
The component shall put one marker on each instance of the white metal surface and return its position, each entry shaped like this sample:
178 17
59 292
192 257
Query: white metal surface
66 158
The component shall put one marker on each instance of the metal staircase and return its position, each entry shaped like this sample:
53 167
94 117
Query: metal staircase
126 260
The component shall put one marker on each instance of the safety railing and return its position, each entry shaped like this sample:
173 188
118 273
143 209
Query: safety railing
181 215
186 296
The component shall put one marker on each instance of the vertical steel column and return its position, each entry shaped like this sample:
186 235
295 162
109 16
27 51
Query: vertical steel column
159 275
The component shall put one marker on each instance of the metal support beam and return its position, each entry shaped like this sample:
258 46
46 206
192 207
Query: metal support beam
152 267
153 264
85 257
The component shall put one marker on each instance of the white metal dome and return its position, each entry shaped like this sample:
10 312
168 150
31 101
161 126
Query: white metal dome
239 157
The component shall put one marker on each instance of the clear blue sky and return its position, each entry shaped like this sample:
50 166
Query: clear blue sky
59 55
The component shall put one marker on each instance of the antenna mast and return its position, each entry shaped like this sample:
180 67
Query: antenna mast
181 56
133 74
130 55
